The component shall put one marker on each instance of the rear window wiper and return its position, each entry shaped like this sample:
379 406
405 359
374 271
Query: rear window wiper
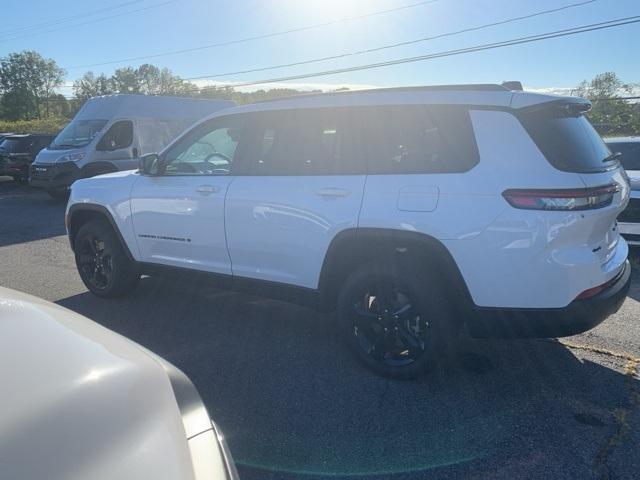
612 157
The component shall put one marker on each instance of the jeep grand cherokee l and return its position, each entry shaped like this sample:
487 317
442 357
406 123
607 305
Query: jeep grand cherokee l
410 211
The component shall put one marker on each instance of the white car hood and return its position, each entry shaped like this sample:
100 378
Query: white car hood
81 402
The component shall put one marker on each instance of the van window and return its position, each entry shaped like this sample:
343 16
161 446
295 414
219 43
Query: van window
568 141
78 133
629 154
304 142
119 135
418 139
153 135
210 149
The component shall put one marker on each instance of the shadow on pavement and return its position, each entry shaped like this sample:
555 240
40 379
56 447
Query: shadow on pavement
28 214
293 403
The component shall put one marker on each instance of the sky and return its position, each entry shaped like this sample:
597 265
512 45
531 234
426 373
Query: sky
78 34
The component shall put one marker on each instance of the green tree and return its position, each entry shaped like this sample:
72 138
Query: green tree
609 113
126 80
27 82
91 85
156 81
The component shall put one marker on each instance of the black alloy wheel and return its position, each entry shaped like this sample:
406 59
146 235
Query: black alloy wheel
397 321
95 262
388 326
103 264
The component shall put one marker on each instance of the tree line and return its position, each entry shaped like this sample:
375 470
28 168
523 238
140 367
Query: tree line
30 84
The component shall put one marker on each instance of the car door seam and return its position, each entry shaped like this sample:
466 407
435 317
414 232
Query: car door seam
224 223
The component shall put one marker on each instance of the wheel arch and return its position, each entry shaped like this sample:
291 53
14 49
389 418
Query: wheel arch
354 247
92 169
79 214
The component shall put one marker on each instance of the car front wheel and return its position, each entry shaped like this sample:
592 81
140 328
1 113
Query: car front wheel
102 262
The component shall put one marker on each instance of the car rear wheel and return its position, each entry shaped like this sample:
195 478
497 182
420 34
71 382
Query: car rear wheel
398 324
102 262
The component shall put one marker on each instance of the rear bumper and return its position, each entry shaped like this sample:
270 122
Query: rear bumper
53 176
579 316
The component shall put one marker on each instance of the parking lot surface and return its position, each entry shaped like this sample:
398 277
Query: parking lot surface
294 404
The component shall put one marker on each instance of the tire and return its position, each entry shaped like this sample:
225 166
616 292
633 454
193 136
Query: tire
399 324
59 193
20 180
102 262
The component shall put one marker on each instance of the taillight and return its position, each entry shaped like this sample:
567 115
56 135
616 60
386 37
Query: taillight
562 199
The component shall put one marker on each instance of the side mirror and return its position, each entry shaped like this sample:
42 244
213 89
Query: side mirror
150 164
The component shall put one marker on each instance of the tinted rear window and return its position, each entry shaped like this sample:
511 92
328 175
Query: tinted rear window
418 139
568 141
629 154
15 145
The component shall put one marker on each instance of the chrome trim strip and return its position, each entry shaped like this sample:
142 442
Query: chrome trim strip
232 472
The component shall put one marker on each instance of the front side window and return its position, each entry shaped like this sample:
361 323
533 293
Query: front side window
418 139
119 135
210 149
78 133
305 142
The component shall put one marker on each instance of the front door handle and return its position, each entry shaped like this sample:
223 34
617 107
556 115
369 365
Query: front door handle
207 189
332 192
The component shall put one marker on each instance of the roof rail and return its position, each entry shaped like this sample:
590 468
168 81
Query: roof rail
486 87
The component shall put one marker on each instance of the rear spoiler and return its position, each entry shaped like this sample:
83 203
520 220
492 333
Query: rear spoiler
568 106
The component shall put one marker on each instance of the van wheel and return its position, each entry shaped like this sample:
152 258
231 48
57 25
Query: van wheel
58 193
397 324
102 262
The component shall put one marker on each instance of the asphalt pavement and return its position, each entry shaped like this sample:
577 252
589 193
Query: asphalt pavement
294 404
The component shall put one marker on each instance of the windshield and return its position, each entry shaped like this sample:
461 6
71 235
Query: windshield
569 142
14 145
77 134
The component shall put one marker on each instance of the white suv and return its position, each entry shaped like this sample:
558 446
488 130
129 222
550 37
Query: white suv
411 211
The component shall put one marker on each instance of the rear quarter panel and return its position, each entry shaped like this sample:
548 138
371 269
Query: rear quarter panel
508 257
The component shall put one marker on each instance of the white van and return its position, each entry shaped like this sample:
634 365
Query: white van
109 133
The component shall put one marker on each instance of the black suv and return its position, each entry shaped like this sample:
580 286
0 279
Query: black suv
17 152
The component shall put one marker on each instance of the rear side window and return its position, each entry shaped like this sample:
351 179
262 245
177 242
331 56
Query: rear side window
304 142
418 139
629 154
568 141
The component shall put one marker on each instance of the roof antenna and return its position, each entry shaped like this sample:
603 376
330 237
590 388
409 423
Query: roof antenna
512 85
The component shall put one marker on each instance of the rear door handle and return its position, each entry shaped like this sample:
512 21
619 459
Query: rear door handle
332 192
207 189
